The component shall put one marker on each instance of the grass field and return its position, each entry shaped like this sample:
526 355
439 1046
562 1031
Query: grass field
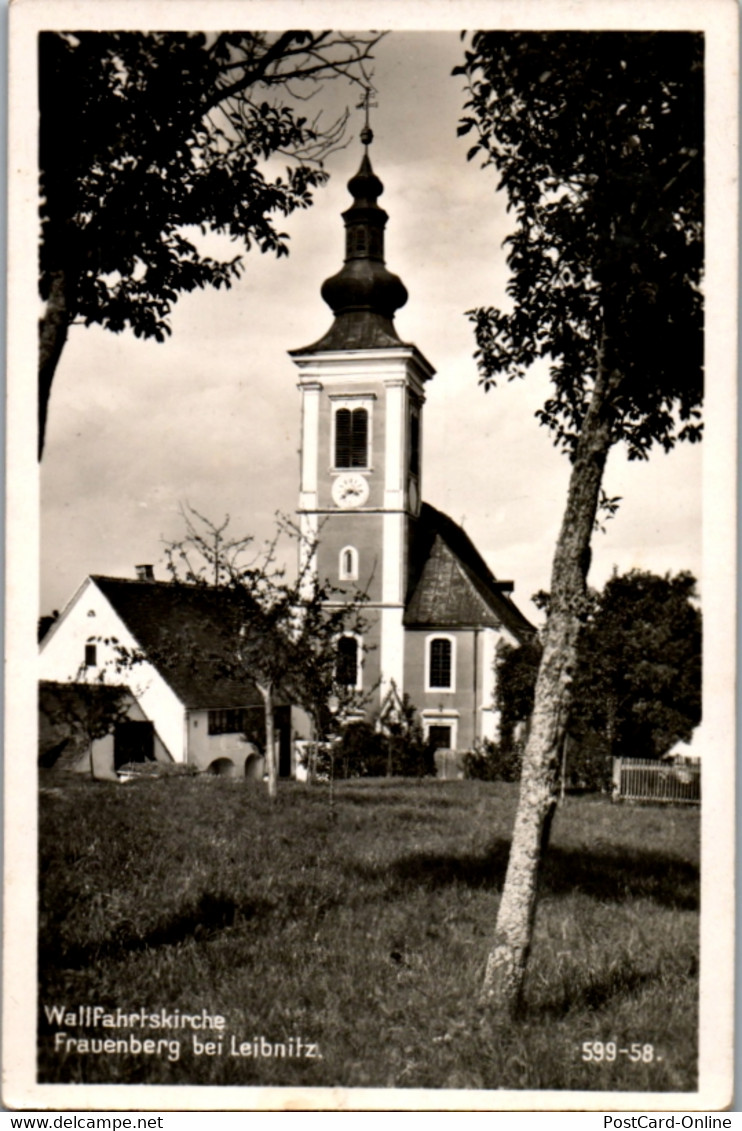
365 935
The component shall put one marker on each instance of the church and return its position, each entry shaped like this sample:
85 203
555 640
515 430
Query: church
436 613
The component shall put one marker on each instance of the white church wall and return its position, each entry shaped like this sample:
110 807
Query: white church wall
91 619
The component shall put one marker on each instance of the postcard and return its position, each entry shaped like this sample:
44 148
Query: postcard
371 575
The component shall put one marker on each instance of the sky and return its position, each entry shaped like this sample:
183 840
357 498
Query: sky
211 417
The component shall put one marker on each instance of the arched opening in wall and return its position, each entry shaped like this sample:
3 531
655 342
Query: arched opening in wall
348 565
133 741
223 768
254 767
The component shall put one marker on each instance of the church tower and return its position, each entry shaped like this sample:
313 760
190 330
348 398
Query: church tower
362 392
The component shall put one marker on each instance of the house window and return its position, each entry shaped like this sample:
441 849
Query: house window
440 663
227 720
439 737
415 444
351 437
348 565
357 241
348 669
91 656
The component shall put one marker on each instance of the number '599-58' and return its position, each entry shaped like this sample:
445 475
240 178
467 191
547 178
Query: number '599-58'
607 1051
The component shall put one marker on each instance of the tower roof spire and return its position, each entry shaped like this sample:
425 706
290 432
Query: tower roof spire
363 295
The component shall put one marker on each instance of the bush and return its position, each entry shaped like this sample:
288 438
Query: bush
360 753
489 761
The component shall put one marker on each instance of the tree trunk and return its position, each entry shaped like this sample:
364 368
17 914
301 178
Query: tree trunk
53 326
508 957
266 690
312 759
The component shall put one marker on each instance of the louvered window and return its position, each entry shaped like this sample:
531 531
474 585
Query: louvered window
227 720
440 663
351 437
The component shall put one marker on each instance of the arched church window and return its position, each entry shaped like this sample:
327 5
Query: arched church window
347 670
351 437
440 664
348 566
415 444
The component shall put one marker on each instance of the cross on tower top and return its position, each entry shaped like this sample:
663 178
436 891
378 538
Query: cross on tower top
367 134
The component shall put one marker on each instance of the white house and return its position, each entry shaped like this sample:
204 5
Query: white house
435 612
94 728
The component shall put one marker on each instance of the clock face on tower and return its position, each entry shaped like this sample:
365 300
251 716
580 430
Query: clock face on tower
350 490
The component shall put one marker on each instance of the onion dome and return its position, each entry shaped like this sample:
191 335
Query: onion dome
363 295
365 187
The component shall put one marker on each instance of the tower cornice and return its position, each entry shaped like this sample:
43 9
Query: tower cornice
363 295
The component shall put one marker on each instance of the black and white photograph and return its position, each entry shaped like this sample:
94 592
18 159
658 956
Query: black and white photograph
371 533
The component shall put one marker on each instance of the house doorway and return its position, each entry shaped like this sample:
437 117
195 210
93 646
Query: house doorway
133 741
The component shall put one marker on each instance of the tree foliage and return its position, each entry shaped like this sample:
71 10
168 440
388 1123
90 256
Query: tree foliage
172 135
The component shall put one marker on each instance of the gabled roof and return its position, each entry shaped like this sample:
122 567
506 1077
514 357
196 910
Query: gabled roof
185 632
451 586
363 295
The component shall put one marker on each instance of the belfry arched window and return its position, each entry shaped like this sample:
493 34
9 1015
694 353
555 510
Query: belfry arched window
415 443
348 564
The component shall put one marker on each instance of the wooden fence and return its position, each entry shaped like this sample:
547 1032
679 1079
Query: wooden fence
640 779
